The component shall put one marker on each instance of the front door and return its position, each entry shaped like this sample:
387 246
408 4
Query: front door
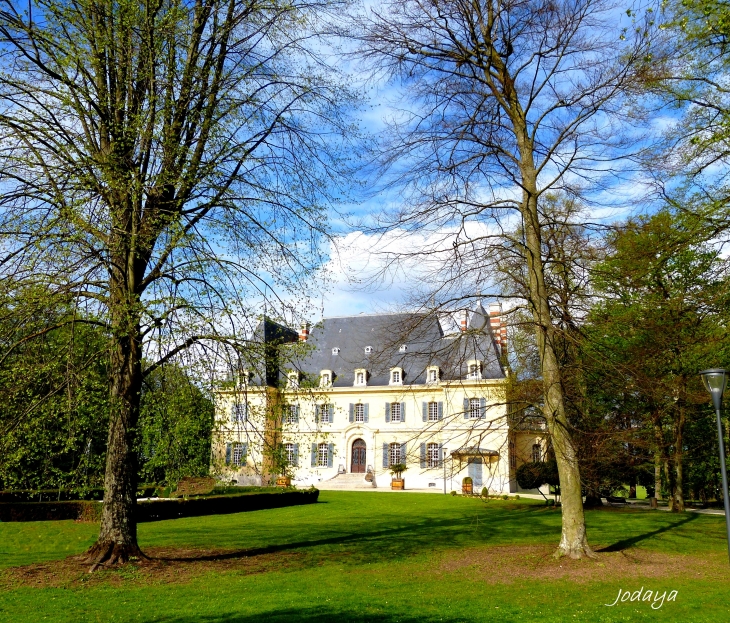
358 457
475 471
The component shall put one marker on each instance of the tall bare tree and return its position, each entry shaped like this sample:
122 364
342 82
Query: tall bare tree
503 101
160 161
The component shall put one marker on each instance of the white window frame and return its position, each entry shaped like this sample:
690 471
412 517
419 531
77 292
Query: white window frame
291 414
433 375
323 455
395 408
474 370
240 411
396 376
361 377
403 348
475 408
394 456
237 456
368 350
536 452
290 453
335 351
359 412
433 411
432 455
326 377
293 380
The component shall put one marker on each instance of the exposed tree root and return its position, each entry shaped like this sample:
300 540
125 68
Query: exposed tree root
110 553
577 551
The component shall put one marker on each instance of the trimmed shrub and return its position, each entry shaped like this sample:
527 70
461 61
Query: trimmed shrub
485 492
156 510
453 493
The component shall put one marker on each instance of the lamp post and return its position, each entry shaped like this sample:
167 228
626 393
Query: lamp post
715 381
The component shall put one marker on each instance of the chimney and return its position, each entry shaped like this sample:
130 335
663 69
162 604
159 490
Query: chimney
304 332
464 320
498 326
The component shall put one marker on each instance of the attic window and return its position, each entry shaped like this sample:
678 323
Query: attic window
396 376
403 348
361 377
433 374
293 380
335 351
475 369
368 349
325 378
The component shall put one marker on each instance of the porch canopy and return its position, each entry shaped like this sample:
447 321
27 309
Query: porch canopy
467 452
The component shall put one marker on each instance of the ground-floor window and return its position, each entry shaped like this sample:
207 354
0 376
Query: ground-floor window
536 453
322 455
238 454
291 458
432 450
395 454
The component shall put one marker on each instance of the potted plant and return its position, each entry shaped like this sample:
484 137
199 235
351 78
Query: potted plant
467 486
396 472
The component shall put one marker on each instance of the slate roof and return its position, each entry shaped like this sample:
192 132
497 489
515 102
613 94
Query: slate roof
424 341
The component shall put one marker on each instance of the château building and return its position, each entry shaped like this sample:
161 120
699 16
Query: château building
338 404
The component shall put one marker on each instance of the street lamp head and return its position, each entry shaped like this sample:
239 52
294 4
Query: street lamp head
715 381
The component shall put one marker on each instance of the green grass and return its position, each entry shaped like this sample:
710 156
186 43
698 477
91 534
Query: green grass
372 557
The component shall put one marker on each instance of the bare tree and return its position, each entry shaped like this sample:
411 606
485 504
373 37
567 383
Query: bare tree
160 162
504 101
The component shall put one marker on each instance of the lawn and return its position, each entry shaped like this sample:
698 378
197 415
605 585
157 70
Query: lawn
374 557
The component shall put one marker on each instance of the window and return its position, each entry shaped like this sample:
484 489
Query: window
238 454
239 412
432 450
335 351
395 412
475 409
325 378
395 376
536 453
433 376
512 455
433 411
368 350
403 348
359 413
395 454
293 380
360 380
291 458
322 455
292 414
324 413
473 371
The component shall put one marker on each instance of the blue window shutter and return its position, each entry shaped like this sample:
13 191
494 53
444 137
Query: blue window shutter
228 454
402 411
483 408
330 454
296 414
387 412
245 412
330 413
317 415
314 455
441 454
366 412
466 408
386 457
295 463
425 411
403 453
423 455
352 412
234 412
441 410
244 453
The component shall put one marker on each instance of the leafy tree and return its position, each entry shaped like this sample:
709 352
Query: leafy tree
162 161
507 101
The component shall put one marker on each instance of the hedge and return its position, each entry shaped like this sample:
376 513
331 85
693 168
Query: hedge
156 510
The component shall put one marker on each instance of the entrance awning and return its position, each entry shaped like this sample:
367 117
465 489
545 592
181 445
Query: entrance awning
489 456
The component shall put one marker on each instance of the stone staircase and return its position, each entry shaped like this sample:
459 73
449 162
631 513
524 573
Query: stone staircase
346 482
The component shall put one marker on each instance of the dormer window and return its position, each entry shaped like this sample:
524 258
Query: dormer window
474 370
433 374
335 351
293 380
403 348
396 376
361 377
368 350
325 378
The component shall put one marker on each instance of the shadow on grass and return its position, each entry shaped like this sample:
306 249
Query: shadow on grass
630 542
307 615
393 542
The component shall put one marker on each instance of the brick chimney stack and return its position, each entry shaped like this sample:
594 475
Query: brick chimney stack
498 326
304 332
464 320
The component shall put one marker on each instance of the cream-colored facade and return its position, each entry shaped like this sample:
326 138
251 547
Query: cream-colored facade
443 429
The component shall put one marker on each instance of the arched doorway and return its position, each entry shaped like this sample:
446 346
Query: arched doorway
357 465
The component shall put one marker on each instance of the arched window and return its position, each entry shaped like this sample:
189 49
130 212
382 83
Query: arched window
536 453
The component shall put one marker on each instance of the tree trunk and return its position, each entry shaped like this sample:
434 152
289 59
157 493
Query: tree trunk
657 475
678 489
573 541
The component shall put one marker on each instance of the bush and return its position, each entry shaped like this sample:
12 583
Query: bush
155 510
550 502
534 475
505 497
453 493
517 497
